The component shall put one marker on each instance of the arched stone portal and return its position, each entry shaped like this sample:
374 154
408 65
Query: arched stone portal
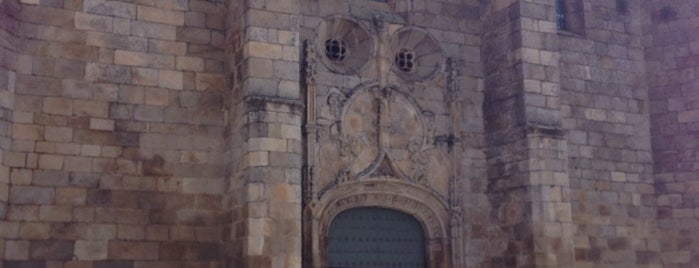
394 195
375 237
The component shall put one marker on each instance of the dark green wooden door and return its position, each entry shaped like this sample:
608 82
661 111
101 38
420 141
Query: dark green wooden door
375 237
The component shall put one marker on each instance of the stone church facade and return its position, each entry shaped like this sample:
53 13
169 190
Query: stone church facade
271 133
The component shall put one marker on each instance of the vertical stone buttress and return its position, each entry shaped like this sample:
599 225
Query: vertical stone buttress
605 109
672 57
264 134
527 154
9 43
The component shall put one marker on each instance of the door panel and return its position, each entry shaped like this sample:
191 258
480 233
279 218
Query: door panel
373 237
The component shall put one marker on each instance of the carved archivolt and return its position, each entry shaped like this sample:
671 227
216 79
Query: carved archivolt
429 209
426 207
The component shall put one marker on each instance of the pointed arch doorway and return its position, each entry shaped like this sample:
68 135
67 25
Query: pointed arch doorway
375 237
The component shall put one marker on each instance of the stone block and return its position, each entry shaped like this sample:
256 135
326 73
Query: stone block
42 66
688 116
23 117
167 47
263 50
67 148
195 19
159 15
31 195
27 132
144 76
170 79
123 250
290 53
85 21
16 250
21 176
76 89
71 196
182 5
129 94
79 164
51 250
90 150
149 113
205 81
60 134
110 8
289 89
268 19
153 30
283 159
122 26
131 232
91 250
90 108
83 214
157 232
182 232
267 144
115 215
105 92
102 124
291 132
23 213
12 159
549 58
258 158
46 16
55 213
100 231
51 162
596 114
187 63
134 58
107 73
286 70
157 97
108 40
35 231
676 257
50 178
69 69
194 35
59 106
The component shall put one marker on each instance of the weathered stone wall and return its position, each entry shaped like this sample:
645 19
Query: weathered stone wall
9 43
116 156
605 109
672 55
163 133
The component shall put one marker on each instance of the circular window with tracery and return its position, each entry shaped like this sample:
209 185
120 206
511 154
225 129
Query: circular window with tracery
344 45
405 60
336 49
417 55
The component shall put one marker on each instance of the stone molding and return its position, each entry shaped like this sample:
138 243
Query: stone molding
427 207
